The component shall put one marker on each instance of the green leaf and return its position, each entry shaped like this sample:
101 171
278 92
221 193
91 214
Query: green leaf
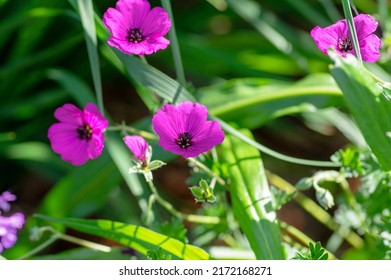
84 190
369 107
87 18
86 254
315 252
136 237
158 255
251 197
251 102
153 79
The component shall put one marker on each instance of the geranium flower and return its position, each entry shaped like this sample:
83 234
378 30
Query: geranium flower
184 130
5 198
78 136
135 29
337 36
8 229
138 146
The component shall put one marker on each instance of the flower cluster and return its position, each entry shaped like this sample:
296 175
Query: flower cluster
183 130
135 28
337 36
9 225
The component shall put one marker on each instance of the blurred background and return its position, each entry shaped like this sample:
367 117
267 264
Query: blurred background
238 46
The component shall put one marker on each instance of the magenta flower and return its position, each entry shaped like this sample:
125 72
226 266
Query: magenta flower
5 198
8 229
135 29
138 146
78 136
337 36
184 130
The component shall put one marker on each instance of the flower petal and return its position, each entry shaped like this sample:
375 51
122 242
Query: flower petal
327 37
138 146
95 145
369 48
116 23
70 114
168 122
210 136
94 118
134 11
364 25
64 141
156 23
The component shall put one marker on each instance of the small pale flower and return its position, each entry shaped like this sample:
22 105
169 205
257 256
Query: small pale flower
135 28
337 36
78 136
184 129
8 229
5 198
138 146
142 153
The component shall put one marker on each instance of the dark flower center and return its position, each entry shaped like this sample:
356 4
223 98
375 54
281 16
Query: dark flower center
84 132
345 44
184 140
135 35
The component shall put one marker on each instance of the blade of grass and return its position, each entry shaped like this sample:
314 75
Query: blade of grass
176 54
87 19
307 11
352 29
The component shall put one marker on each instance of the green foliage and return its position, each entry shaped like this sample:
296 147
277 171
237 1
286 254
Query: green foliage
251 197
368 105
158 254
255 67
316 252
138 238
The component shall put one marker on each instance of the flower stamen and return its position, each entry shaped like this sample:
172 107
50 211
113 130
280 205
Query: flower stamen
135 35
184 140
84 132
345 44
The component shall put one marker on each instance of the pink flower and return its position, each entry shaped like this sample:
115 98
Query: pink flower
5 198
8 229
184 130
138 146
78 136
337 36
135 29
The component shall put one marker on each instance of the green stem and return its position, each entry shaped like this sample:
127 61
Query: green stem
352 29
272 153
180 73
124 128
41 247
188 217
207 170
316 211
58 235
85 243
